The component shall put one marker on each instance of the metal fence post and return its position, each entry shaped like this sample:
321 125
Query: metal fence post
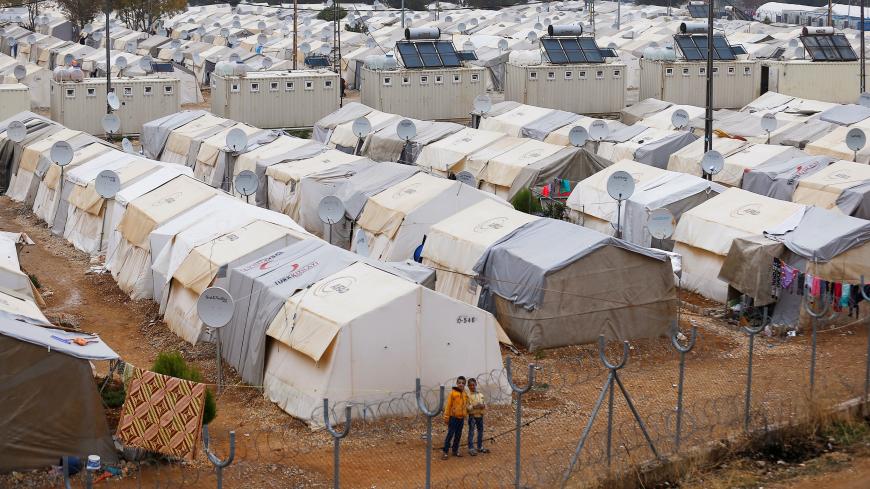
421 404
751 331
219 465
336 437
65 463
682 351
867 367
519 414
810 308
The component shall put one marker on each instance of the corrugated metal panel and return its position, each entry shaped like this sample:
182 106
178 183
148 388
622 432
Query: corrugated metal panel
735 83
14 98
584 89
276 99
828 82
446 94
82 105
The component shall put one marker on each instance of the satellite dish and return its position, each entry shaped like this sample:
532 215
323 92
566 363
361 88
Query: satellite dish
225 33
232 40
130 47
539 26
246 182
482 104
20 72
200 31
197 59
261 25
145 64
325 49
864 99
661 223
680 118
237 24
305 48
330 209
11 41
262 39
88 28
61 153
127 146
266 63
121 62
111 123
237 140
175 44
502 45
16 131
107 184
97 36
468 46
185 35
713 162
31 39
113 101
461 27
406 129
467 178
215 307
768 122
68 59
620 185
161 32
361 127
234 58
599 130
578 136
178 56
856 139
532 37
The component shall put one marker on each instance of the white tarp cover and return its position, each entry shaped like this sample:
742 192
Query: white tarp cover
844 186
449 154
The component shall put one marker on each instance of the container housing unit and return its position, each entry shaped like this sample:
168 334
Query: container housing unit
81 105
14 98
830 70
432 83
575 75
736 80
276 99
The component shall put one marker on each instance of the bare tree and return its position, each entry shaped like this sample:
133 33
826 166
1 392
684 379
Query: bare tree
80 12
142 15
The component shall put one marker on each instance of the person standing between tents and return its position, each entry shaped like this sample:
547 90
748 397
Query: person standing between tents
476 407
454 415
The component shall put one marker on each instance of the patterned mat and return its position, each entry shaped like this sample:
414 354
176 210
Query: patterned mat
162 414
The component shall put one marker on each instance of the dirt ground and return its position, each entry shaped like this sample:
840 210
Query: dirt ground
275 450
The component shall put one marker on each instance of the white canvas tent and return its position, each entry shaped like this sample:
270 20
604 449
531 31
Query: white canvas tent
843 186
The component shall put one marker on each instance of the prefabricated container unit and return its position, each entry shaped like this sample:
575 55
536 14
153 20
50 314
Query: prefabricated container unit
432 83
14 98
276 99
735 83
82 105
580 88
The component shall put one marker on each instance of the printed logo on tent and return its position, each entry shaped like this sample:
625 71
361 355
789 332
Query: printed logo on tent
466 139
263 263
533 154
409 190
800 171
169 199
747 210
297 270
492 224
229 237
839 176
338 285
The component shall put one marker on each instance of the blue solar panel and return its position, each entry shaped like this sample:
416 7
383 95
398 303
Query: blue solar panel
564 50
429 54
694 47
319 61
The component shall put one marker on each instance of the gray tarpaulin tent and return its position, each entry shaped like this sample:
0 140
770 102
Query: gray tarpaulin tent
657 153
309 150
353 184
801 134
38 127
222 177
845 115
349 112
386 145
541 128
642 110
49 399
156 132
264 285
779 178
551 283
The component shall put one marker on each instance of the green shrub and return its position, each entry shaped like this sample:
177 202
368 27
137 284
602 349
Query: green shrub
174 365
524 201
328 14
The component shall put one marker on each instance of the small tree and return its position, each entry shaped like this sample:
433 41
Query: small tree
142 15
80 12
173 365
328 14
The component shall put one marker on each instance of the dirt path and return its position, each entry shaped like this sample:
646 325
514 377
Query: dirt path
855 476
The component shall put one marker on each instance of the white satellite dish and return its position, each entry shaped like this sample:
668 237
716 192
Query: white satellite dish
503 45
68 59
31 39
330 209
107 184
620 185
532 37
237 24
261 25
16 131
178 56
145 64
768 122
468 46
713 162
111 123
234 58
598 130
200 31
185 35
130 47
361 127
232 40
215 307
175 44
262 39
127 146
113 101
88 28
856 139
661 223
20 72
539 26
482 104
121 62
578 136
197 59
325 49
97 36
406 129
11 41
266 63
305 48
237 140
161 32
225 33
461 27
246 182
680 118
467 178
61 153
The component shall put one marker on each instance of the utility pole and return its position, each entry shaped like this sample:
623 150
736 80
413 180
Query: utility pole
618 14
295 31
863 68
708 120
403 14
108 42
830 16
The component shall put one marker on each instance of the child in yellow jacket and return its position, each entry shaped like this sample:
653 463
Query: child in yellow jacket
455 412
